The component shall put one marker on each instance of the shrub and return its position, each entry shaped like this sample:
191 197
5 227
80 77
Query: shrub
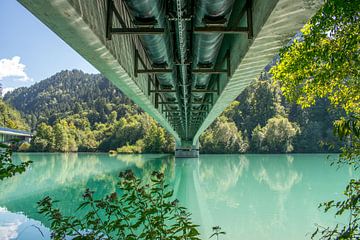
7 167
140 211
24 147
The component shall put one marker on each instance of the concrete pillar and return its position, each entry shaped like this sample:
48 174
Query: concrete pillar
187 150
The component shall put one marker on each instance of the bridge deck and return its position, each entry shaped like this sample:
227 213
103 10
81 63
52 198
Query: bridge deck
182 61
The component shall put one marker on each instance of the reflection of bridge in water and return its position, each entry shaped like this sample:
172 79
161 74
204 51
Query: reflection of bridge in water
182 61
274 196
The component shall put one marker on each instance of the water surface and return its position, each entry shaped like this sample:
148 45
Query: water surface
249 196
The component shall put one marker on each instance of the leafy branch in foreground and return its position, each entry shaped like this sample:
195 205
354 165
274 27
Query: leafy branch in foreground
7 167
345 129
348 130
217 232
325 64
350 205
138 211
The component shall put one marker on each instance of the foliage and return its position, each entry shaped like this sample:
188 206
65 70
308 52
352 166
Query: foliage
223 137
127 131
7 167
10 117
325 63
258 103
139 132
349 130
155 139
67 93
139 211
262 101
44 139
217 232
74 133
351 206
128 149
316 126
24 147
276 136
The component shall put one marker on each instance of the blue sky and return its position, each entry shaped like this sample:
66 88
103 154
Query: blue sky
29 51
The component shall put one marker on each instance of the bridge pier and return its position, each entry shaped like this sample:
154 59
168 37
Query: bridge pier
187 150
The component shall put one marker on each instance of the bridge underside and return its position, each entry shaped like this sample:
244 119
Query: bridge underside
182 61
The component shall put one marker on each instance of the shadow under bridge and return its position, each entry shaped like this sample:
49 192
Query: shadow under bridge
182 61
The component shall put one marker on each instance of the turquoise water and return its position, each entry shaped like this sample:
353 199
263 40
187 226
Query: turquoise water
249 196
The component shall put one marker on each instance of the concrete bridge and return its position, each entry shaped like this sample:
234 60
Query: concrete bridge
9 134
182 61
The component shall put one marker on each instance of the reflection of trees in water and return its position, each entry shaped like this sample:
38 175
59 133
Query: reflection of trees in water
219 174
163 163
280 176
66 176
144 165
69 196
51 171
131 159
61 176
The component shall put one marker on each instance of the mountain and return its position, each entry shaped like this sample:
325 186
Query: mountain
67 93
76 111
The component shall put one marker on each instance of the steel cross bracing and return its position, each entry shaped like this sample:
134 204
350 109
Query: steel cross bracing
181 61
181 39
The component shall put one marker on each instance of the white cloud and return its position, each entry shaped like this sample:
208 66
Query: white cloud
7 89
8 227
9 230
13 68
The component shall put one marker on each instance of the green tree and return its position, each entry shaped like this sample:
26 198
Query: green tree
10 117
276 136
257 139
112 117
155 138
258 103
67 93
127 130
325 62
44 139
24 147
140 211
61 137
223 137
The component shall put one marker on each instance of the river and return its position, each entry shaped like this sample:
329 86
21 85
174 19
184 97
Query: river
251 197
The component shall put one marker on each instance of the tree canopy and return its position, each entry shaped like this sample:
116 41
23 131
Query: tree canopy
11 118
325 62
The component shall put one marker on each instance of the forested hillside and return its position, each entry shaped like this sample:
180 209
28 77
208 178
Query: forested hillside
261 121
74 111
11 118
67 93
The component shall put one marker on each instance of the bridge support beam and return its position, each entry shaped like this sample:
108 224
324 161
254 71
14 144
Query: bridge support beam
187 150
